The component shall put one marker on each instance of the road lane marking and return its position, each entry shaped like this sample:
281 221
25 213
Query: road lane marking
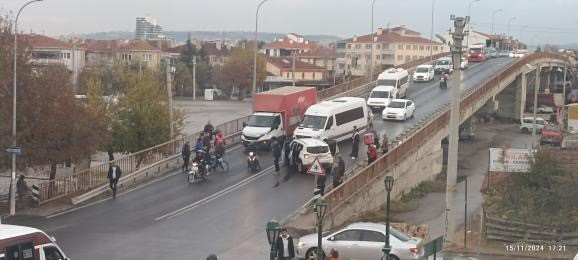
236 147
214 196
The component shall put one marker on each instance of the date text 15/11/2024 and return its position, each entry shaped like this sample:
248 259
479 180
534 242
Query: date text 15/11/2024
534 248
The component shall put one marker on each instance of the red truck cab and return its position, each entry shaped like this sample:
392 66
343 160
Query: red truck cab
551 134
476 54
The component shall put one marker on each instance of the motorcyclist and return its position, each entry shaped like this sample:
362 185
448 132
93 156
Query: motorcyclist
252 149
208 130
198 147
445 79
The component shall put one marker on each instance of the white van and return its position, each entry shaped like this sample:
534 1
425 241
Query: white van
334 119
443 65
19 242
391 84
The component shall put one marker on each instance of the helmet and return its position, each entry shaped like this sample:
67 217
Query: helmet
212 257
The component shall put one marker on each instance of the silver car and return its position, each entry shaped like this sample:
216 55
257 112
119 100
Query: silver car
362 241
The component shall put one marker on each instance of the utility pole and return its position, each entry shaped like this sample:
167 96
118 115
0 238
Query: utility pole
293 69
170 96
433 4
536 88
452 168
563 85
194 77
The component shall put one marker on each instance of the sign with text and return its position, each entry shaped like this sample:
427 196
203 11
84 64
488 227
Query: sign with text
510 160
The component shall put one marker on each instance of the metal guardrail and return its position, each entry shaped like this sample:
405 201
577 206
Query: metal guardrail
413 138
97 175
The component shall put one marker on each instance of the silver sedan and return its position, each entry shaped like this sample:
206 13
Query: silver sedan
362 241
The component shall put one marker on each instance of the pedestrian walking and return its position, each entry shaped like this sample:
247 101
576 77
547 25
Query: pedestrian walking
355 143
276 147
384 144
333 254
186 154
21 188
285 249
371 154
114 174
338 170
321 184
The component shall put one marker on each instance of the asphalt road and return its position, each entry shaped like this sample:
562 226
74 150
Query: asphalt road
171 219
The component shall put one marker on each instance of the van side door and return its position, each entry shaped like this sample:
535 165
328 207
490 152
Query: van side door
51 252
329 129
20 251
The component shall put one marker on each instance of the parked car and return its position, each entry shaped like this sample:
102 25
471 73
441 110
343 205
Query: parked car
551 134
302 153
399 109
527 124
362 241
423 73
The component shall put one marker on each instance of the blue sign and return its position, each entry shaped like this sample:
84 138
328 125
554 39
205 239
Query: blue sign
15 150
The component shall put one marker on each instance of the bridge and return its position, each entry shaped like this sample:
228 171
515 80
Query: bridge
228 212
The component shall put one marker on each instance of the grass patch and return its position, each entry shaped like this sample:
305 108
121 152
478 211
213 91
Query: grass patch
425 187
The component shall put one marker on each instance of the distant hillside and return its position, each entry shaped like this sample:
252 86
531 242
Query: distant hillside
569 46
232 36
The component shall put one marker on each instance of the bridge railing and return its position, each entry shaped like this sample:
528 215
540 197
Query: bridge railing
96 175
408 141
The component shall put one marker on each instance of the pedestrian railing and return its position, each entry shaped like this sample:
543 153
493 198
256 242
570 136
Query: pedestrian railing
413 138
97 175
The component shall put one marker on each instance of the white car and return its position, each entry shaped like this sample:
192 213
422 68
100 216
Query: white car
527 124
423 73
464 63
399 109
302 153
362 241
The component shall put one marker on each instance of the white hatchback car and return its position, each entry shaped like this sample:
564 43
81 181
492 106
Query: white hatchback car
399 109
362 241
302 153
527 124
423 73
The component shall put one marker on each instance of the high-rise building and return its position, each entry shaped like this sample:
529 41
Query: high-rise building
147 28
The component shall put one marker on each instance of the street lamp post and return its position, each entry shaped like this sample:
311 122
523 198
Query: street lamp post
371 40
469 12
273 229
510 47
254 90
433 3
522 33
13 179
320 210
494 19
388 187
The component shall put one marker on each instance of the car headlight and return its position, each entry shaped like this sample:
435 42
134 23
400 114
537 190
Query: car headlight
306 157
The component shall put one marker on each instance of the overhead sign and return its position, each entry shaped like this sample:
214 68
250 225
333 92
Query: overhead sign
510 160
316 168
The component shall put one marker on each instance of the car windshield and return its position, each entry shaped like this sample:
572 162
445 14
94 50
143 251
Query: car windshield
260 121
422 70
552 129
399 235
475 50
379 94
443 62
318 149
386 82
315 122
397 104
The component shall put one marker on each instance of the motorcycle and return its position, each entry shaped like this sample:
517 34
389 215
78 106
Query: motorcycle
443 83
253 162
198 171
217 162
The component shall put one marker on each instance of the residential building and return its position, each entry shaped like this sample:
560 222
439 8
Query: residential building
287 46
135 53
324 57
283 67
147 28
391 47
216 52
50 51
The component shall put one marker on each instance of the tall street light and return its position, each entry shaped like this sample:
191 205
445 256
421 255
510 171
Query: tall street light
433 3
469 12
388 187
510 47
254 90
320 209
13 179
273 229
371 53
522 33
494 19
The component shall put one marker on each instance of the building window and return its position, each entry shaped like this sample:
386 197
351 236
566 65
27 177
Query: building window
126 56
147 57
387 57
367 57
414 57
357 46
377 57
408 47
385 46
407 58
349 46
400 47
415 47
302 75
427 48
435 48
378 46
314 74
368 46
399 57
421 48
421 57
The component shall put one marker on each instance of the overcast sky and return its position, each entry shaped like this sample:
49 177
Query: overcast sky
554 21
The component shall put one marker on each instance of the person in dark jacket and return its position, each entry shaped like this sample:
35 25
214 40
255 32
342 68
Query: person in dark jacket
209 130
186 153
114 174
285 249
355 143
276 147
338 170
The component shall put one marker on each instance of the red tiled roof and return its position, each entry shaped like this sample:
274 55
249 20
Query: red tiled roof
177 49
101 45
391 37
138 46
321 52
286 63
407 31
41 41
286 43
210 48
